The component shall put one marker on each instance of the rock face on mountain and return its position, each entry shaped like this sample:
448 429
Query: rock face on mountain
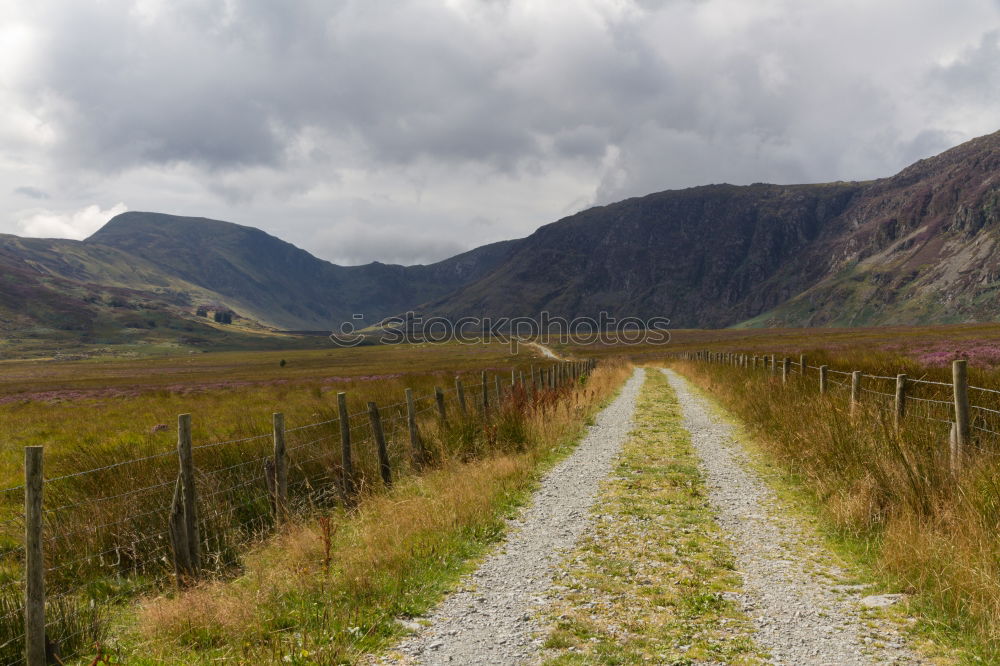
707 256
919 247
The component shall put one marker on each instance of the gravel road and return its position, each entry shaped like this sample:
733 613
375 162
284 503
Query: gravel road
489 619
802 616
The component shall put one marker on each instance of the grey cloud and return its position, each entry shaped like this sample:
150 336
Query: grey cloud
976 74
31 192
287 115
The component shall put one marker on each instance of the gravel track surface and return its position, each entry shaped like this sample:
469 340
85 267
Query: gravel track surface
489 619
802 617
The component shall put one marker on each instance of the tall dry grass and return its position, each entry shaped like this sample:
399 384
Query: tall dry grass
889 492
327 590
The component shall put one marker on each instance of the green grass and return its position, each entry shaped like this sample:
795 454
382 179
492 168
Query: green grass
110 408
653 582
394 557
890 346
105 529
884 499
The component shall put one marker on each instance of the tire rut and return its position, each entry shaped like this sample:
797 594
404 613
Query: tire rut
489 620
801 616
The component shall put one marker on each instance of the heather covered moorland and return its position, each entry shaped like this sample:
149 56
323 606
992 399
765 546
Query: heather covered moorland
110 432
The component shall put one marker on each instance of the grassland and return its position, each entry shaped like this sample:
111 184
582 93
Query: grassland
887 495
106 542
334 589
925 348
80 409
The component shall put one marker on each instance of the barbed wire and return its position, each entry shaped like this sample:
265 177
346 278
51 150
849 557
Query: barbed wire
940 402
933 383
139 549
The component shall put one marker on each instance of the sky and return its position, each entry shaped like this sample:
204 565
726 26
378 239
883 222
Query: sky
406 131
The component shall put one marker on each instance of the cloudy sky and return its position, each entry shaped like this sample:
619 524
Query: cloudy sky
408 130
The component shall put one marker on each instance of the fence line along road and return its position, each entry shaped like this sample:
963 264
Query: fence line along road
207 502
962 417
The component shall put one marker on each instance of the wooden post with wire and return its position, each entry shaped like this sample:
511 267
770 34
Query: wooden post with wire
960 387
280 468
416 444
900 410
460 392
823 379
34 561
384 467
486 394
439 399
189 494
346 460
855 391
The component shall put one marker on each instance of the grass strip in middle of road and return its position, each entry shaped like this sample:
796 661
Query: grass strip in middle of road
654 581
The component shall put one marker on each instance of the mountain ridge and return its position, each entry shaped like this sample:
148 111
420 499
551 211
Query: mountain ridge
921 246
776 255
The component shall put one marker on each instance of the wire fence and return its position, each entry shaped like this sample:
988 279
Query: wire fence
949 403
107 532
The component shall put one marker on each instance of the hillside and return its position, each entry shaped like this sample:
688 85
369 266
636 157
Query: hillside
919 247
43 313
142 278
276 282
916 248
704 257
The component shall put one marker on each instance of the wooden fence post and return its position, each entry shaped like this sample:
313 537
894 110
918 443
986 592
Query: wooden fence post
786 365
900 400
416 445
346 462
486 394
774 364
384 468
280 467
34 562
499 391
460 392
189 493
960 383
822 379
855 390
439 399
803 364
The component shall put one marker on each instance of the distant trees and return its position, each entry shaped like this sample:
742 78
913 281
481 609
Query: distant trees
221 314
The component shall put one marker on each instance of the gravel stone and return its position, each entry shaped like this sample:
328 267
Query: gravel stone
802 616
489 619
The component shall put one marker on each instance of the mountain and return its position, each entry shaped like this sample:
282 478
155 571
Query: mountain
919 247
277 283
142 279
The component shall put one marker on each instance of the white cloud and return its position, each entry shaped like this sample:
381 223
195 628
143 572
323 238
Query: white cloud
76 225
